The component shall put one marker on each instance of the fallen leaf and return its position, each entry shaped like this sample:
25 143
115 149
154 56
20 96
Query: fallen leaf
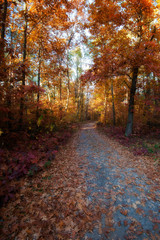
156 220
119 223
124 212
125 223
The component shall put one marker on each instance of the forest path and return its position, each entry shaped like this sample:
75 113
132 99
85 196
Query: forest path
129 202
89 192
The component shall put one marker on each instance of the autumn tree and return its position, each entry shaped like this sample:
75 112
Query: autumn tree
34 43
127 30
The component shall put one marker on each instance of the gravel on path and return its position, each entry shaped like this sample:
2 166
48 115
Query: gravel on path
129 202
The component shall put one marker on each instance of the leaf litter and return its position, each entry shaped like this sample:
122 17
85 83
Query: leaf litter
94 189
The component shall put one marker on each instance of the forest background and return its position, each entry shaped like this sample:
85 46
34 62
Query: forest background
63 62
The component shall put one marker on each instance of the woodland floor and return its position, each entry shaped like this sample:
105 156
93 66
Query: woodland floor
94 189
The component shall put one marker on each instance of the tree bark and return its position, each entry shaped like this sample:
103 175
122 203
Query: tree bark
81 102
60 97
77 90
113 105
60 90
105 103
3 72
4 6
24 68
68 75
39 80
9 90
68 85
129 127
54 94
87 103
3 30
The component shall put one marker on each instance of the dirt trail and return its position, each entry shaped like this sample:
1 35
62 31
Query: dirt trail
131 199
89 192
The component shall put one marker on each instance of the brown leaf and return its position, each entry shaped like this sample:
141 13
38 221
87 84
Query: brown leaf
28 231
139 232
156 220
139 210
125 223
119 223
100 228
80 206
124 212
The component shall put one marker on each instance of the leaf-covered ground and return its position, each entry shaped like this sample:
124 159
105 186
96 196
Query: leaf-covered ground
144 142
23 154
94 189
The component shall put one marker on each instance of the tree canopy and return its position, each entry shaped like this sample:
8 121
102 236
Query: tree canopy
43 76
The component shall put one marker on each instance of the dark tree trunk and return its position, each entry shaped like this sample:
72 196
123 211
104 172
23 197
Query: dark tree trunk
81 102
77 90
4 7
60 90
9 104
105 103
54 94
3 30
24 68
87 103
147 107
3 72
9 90
68 84
113 105
129 128
60 98
39 81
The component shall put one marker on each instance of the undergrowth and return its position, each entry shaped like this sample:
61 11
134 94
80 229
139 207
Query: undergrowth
23 154
140 143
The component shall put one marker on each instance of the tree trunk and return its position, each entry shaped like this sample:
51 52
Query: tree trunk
3 32
24 69
9 89
3 72
129 128
60 97
68 86
60 90
156 93
39 80
113 105
3 8
77 90
81 103
54 94
105 103
87 103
